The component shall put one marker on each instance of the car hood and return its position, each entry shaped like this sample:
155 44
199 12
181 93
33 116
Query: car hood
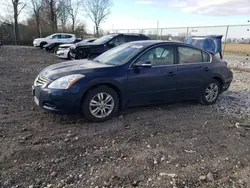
40 39
58 70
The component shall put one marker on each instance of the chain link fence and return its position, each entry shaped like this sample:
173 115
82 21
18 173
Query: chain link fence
232 34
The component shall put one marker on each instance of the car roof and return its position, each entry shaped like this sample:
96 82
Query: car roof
148 43
62 34
129 34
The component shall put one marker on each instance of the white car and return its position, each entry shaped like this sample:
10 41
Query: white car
64 49
54 38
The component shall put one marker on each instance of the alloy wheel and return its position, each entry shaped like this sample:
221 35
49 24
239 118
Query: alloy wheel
101 105
212 92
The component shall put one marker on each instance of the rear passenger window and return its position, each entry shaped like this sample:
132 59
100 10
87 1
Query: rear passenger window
189 55
206 57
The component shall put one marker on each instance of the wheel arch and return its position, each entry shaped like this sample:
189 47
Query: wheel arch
108 84
219 79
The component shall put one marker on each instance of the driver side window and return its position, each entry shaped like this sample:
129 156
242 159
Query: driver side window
118 41
162 55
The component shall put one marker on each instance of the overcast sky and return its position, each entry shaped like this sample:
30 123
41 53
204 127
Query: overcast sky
128 14
145 13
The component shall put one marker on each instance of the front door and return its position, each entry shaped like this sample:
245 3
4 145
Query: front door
155 83
193 72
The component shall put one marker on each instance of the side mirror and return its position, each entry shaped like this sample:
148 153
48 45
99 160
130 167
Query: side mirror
141 65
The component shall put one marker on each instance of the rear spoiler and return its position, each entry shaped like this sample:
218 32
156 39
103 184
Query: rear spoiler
210 43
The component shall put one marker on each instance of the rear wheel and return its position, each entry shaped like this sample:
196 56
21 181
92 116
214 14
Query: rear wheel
100 104
210 92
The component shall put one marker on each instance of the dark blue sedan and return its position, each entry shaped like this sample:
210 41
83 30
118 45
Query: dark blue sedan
136 73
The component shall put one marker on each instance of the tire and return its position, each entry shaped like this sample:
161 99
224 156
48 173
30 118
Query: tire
92 98
42 44
215 89
69 56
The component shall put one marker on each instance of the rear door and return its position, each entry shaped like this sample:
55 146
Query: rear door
193 71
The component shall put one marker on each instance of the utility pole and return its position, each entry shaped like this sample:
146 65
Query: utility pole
157 29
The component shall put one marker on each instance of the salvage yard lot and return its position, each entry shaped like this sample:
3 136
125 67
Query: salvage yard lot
171 145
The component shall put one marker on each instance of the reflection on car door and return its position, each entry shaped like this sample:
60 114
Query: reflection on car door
193 72
153 84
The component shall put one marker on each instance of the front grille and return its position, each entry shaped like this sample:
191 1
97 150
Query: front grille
40 81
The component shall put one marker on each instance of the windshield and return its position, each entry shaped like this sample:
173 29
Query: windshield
119 55
104 39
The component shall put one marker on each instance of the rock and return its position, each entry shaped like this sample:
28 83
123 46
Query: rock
60 185
155 161
66 139
70 179
135 183
241 182
138 118
24 129
127 127
237 125
163 158
202 178
121 117
7 183
169 175
31 186
53 174
68 135
49 186
210 176
172 175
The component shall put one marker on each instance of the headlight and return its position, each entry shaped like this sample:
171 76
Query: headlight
65 82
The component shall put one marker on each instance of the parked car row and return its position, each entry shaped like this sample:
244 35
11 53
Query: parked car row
123 70
67 46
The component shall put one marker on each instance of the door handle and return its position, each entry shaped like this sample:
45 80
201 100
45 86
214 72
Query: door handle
206 69
171 74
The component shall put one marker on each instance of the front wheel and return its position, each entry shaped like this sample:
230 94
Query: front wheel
100 104
210 92
42 44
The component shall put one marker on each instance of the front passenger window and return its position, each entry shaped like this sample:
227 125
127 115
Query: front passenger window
163 55
56 36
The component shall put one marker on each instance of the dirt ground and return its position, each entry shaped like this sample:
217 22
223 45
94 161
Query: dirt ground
242 49
181 145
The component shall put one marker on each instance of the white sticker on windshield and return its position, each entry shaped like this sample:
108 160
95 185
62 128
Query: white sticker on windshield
136 46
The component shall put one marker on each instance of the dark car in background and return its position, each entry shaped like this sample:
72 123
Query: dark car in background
101 45
132 74
64 49
53 47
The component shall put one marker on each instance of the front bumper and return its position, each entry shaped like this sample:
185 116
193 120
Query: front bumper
36 44
62 53
59 101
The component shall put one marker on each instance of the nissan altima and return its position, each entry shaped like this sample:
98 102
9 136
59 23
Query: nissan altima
132 74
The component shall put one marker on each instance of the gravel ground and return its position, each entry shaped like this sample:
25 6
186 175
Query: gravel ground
181 145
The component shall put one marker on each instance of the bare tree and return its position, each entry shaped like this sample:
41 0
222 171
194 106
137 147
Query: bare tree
63 9
73 12
98 11
50 10
37 6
